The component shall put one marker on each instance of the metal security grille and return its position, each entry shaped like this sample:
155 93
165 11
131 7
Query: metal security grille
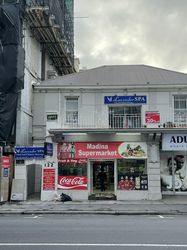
125 117
180 110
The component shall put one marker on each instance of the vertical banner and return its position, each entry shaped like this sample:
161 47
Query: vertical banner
49 179
5 162
173 172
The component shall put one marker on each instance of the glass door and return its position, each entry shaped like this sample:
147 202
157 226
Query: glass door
102 176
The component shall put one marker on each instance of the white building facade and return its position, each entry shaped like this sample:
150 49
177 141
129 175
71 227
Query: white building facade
112 120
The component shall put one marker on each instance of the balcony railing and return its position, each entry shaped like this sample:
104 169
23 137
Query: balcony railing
105 121
125 121
111 122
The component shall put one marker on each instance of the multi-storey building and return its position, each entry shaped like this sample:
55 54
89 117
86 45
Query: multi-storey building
48 40
45 30
128 121
36 43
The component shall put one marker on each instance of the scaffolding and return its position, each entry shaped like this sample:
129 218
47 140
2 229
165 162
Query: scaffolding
51 22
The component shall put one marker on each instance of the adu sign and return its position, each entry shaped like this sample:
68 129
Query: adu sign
174 142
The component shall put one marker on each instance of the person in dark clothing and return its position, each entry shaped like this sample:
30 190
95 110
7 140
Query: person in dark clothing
102 179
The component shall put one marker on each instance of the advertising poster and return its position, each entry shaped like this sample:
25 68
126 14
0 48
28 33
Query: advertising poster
48 179
152 117
179 172
5 161
132 175
5 172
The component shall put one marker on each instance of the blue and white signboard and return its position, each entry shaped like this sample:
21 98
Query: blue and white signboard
29 152
48 148
174 142
139 99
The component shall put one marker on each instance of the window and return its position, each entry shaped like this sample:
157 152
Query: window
72 176
125 117
72 169
173 172
72 110
132 174
180 111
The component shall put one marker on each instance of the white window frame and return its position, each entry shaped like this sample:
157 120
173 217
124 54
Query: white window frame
180 114
73 116
125 119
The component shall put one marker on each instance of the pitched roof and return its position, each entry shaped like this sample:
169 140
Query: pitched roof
120 75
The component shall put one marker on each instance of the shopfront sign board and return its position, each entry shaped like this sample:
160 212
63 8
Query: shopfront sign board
29 152
101 150
174 142
48 148
137 99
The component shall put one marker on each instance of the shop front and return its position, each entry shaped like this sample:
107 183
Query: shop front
174 164
102 168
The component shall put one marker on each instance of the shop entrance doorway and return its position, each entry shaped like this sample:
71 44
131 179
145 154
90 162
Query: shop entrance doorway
102 177
34 177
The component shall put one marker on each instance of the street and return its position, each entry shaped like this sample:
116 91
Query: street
78 232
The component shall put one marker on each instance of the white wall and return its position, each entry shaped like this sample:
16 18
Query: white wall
32 77
92 110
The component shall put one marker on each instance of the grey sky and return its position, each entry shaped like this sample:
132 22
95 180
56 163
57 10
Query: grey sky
151 32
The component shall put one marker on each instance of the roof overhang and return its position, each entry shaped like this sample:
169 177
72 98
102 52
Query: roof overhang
114 131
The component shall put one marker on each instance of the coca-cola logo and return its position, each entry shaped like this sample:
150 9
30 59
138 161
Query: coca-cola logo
72 182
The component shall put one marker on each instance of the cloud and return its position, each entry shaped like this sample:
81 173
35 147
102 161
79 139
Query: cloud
151 32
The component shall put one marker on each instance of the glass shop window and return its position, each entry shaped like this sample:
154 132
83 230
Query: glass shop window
72 169
132 174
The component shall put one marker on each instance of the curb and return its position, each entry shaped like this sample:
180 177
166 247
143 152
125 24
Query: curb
89 212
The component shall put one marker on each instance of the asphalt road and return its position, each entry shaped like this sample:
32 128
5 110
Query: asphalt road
81 232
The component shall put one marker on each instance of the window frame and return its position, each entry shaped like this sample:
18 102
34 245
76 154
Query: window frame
142 175
124 114
180 113
76 119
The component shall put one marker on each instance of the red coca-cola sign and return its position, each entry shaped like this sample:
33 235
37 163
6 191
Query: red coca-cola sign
72 182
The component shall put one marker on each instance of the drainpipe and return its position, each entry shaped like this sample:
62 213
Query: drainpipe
43 52
173 174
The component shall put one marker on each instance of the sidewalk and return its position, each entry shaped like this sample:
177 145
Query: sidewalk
169 205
